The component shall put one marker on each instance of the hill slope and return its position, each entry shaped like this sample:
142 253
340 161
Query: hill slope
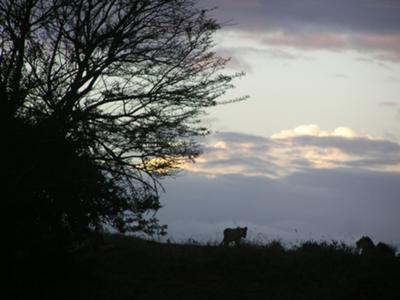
137 269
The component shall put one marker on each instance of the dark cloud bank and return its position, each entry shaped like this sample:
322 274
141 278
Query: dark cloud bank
367 26
376 16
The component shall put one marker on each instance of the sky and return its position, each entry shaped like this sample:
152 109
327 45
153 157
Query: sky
314 152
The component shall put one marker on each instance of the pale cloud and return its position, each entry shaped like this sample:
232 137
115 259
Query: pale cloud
314 130
289 151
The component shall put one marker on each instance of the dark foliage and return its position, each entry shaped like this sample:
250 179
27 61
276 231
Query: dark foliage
98 101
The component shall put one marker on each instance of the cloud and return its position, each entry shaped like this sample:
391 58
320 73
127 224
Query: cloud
390 104
296 16
281 44
371 26
233 152
383 46
289 151
314 130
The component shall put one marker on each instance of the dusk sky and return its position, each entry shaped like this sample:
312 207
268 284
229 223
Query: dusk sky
314 153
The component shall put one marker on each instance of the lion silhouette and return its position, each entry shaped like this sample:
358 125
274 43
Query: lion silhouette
367 247
234 235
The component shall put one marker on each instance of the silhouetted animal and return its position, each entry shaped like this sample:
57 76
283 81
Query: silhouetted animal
385 249
234 235
365 245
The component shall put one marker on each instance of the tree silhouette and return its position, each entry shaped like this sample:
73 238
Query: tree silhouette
99 101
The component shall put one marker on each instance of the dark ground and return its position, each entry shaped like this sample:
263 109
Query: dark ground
130 268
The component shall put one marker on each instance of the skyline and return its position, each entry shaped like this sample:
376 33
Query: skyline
316 145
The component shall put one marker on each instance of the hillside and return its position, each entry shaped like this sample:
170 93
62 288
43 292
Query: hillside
131 268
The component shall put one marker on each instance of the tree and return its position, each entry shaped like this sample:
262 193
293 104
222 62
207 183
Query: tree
99 101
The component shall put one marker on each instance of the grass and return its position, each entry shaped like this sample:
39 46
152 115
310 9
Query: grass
140 269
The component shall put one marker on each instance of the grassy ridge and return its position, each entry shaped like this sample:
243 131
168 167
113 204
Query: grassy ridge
138 269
